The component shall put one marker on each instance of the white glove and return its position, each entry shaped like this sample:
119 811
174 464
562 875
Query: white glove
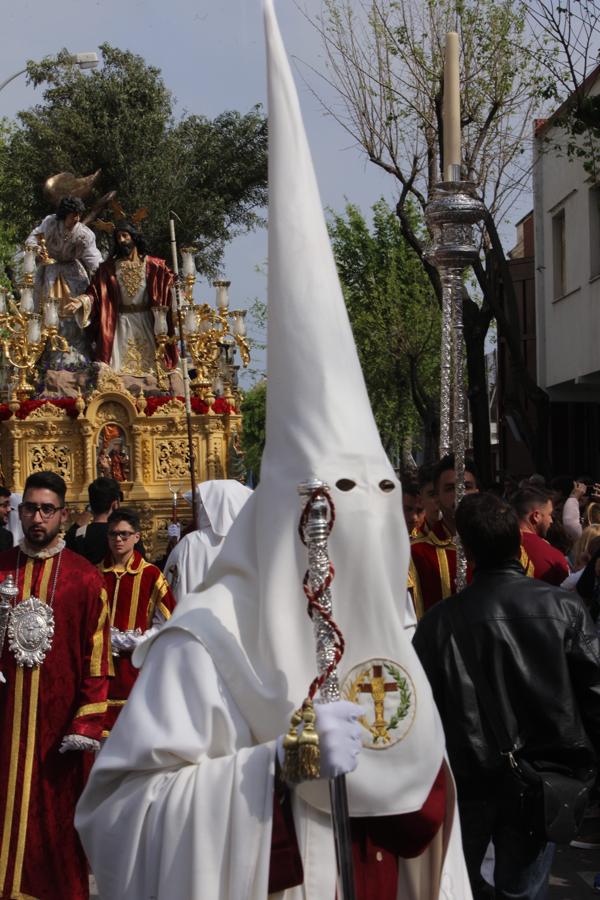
124 641
78 742
174 530
339 737
2 679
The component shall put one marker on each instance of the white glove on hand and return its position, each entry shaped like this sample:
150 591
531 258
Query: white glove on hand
174 530
124 641
78 742
339 737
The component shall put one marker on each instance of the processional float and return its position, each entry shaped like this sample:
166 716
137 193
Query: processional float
144 440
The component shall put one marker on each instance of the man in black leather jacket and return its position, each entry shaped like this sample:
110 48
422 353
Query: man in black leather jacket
538 650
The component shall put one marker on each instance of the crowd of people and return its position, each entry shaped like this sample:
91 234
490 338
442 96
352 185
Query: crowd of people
528 601
87 597
526 623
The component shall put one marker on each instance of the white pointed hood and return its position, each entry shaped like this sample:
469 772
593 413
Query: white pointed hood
251 615
219 502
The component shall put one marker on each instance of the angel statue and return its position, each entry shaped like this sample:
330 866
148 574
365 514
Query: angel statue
67 257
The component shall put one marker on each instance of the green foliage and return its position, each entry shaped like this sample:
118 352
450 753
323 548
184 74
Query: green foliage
119 118
395 320
386 57
394 316
7 231
254 411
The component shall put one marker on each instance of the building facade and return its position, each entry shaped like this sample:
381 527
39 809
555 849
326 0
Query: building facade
567 295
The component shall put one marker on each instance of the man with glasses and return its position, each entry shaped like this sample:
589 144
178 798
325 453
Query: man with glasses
91 540
139 599
6 538
54 659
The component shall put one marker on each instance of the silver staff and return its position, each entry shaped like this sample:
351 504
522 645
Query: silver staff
451 215
8 592
316 530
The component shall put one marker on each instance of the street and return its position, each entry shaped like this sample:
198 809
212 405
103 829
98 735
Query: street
572 874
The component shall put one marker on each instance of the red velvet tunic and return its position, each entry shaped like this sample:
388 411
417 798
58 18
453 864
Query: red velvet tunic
40 853
432 570
549 564
105 294
134 595
432 573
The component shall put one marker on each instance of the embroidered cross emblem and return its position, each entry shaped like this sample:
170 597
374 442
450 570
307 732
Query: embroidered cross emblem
377 686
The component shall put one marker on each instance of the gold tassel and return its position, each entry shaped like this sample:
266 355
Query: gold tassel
309 754
289 770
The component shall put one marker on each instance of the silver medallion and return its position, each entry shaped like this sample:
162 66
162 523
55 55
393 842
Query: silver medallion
30 631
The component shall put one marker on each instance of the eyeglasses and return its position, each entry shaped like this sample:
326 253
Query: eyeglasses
46 510
121 535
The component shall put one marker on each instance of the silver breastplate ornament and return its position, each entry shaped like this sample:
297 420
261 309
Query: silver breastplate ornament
29 623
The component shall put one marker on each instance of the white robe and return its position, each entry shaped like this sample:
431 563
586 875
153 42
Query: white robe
179 803
219 502
190 560
188 815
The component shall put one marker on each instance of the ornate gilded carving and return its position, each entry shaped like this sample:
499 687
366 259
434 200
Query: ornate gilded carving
48 411
108 381
158 444
172 459
173 407
58 458
112 411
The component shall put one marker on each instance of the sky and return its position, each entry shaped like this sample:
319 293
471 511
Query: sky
211 54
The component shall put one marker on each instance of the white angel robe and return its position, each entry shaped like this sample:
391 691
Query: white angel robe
76 259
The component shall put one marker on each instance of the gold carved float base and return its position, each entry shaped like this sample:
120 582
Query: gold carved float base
112 433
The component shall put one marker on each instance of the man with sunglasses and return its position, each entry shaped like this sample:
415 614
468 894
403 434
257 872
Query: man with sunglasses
139 598
54 660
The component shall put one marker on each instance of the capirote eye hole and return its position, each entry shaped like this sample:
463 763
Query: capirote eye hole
345 484
387 485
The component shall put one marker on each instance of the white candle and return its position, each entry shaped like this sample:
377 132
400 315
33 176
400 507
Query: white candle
239 324
451 108
29 262
160 320
190 321
50 314
222 294
26 303
188 262
34 330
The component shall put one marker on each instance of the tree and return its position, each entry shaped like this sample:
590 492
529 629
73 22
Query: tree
395 324
7 230
119 118
396 328
254 413
567 41
385 64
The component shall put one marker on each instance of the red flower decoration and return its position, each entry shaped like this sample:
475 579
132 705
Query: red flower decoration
221 407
